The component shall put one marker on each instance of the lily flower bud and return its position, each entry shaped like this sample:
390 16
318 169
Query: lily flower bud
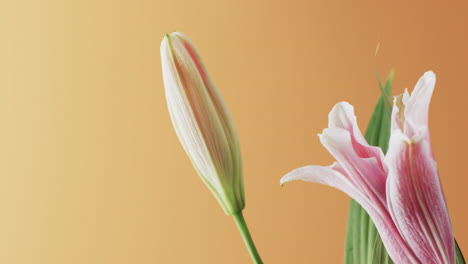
202 121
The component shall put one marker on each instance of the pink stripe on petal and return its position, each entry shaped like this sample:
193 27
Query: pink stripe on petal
416 200
364 172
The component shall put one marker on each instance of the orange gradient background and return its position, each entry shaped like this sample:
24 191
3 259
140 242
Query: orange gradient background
92 172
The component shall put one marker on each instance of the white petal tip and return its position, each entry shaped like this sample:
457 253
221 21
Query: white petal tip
283 181
429 77
294 175
287 178
429 74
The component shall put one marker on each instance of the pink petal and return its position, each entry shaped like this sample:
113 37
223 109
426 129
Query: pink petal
342 116
363 176
362 162
335 176
416 200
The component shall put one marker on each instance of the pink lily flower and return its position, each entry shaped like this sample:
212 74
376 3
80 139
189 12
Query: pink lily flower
401 191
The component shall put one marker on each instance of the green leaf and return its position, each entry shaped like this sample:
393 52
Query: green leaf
385 97
458 255
380 255
361 234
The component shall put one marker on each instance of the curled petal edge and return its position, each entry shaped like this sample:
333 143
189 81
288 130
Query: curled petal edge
334 176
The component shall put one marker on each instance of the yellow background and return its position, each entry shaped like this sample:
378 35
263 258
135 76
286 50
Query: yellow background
91 170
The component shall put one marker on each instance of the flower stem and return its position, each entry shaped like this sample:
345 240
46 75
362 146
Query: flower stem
244 230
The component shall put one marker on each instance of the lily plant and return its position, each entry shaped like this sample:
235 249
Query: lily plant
205 128
401 191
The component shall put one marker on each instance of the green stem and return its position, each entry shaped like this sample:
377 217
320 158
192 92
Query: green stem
244 230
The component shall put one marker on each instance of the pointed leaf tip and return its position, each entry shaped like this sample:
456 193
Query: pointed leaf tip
386 98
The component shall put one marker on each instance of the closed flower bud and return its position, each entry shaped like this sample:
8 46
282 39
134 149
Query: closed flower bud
202 121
